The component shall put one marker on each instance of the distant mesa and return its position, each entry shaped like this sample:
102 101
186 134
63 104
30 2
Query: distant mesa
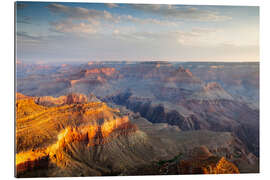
217 67
156 63
183 70
105 71
182 75
93 76
212 91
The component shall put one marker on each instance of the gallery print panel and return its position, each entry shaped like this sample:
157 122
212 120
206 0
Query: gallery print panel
136 89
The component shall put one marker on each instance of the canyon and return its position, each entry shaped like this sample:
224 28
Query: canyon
136 119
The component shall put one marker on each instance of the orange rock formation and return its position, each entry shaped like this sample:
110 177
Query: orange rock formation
42 132
105 70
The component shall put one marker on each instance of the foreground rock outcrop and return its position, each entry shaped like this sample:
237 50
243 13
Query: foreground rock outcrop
202 161
46 133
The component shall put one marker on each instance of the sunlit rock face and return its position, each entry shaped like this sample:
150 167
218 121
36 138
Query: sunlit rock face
202 161
212 165
21 96
105 71
46 133
71 98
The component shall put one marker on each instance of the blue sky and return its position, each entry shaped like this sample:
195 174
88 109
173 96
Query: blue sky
81 32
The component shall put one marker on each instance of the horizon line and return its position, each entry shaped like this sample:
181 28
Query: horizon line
113 61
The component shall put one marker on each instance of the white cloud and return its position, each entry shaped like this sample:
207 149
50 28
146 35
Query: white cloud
133 19
96 16
183 12
68 26
112 5
79 12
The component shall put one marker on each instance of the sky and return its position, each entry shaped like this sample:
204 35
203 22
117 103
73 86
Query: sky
48 32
